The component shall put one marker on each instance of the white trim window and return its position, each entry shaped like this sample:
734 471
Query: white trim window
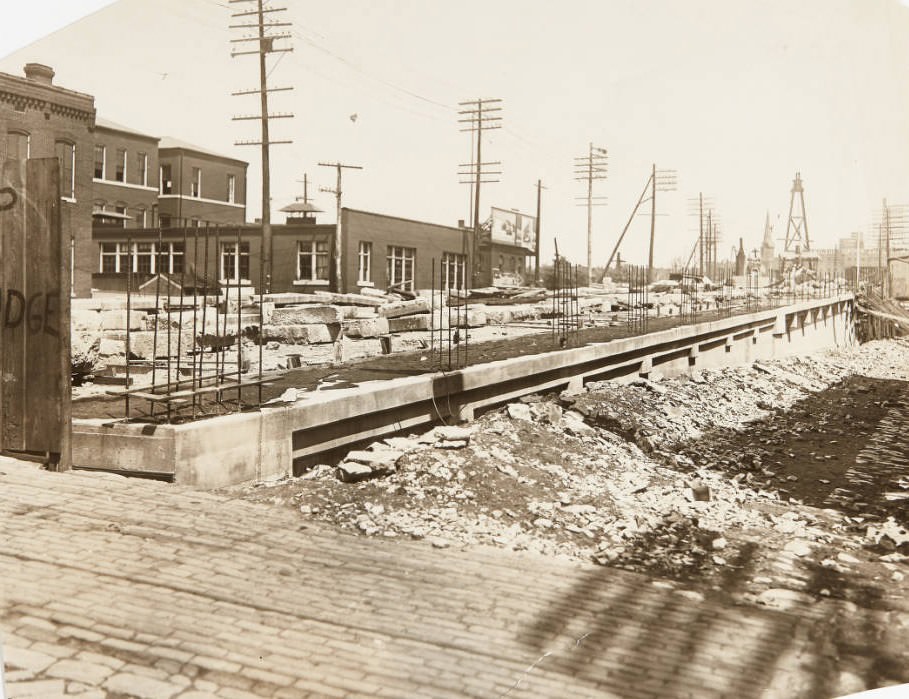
18 145
195 183
118 258
100 157
230 260
165 179
120 166
231 189
364 261
453 273
141 217
401 263
312 260
66 154
142 169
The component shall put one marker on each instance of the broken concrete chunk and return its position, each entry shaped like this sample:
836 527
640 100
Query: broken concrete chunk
377 460
453 433
350 471
305 315
519 411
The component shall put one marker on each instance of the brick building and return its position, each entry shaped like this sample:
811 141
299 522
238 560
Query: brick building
124 176
41 120
197 185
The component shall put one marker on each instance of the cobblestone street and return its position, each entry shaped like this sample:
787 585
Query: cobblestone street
129 588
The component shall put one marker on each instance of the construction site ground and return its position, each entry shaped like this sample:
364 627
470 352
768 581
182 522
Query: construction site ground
736 533
413 353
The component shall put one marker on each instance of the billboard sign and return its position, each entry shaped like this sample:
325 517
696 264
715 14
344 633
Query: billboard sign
513 228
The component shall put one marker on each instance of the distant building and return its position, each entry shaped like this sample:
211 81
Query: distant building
41 120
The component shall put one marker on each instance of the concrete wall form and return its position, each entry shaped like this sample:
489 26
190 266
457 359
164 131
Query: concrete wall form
247 446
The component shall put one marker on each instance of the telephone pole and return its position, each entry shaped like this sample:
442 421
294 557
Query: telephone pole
589 168
660 181
339 285
479 115
536 242
265 45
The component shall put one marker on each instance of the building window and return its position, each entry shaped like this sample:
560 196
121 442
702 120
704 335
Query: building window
312 260
109 257
453 271
364 261
230 260
231 189
17 145
167 183
99 162
120 168
142 169
164 220
66 154
400 270
141 219
143 258
195 184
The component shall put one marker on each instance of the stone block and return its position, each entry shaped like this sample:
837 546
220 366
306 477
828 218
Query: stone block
144 345
367 327
305 315
423 321
116 320
404 308
348 299
357 312
303 334
498 315
85 319
111 348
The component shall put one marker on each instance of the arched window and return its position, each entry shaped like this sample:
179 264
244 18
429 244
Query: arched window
18 145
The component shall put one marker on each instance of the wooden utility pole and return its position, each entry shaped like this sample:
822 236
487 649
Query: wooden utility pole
479 115
589 168
653 191
536 241
886 277
701 232
266 45
339 231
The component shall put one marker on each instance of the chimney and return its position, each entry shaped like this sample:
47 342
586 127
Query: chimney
39 73
461 223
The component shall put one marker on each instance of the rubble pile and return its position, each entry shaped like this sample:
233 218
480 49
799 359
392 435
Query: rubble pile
620 474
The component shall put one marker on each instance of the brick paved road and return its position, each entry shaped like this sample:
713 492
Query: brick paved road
115 587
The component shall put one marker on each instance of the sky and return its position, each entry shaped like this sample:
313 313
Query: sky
736 96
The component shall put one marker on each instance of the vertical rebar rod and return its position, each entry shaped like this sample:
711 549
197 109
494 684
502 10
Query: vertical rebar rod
180 310
195 311
237 259
204 305
261 333
129 294
154 381
432 310
219 349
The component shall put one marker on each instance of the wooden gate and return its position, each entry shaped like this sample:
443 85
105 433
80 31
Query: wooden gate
35 370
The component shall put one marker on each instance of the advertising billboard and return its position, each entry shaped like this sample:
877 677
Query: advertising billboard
513 228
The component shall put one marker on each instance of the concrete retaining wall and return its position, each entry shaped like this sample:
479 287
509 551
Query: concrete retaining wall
236 448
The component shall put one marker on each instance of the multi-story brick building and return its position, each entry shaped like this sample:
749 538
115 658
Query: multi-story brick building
41 120
125 176
199 186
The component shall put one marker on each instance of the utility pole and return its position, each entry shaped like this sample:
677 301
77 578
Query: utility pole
701 232
339 232
653 191
480 115
885 292
589 168
266 45
536 242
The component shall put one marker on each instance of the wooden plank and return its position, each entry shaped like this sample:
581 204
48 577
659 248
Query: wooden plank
46 336
12 305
